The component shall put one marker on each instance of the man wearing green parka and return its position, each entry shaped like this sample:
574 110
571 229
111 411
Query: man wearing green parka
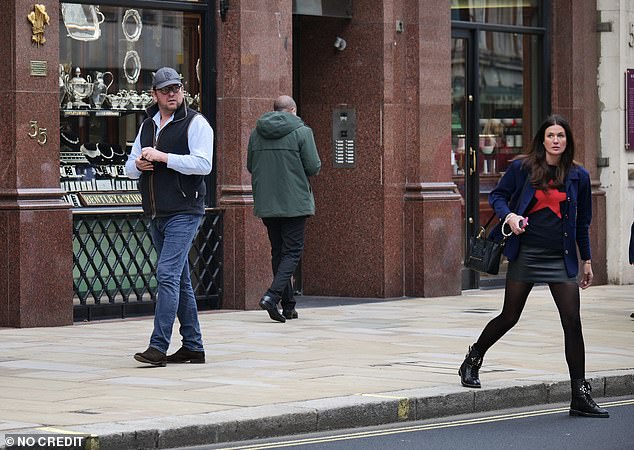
281 156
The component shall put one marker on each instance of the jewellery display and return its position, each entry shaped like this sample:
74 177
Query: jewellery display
132 66
119 155
104 91
90 151
105 151
131 20
69 138
82 21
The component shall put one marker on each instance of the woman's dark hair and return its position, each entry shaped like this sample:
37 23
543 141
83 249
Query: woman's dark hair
535 159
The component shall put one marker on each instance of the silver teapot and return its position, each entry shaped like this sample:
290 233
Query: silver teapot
80 88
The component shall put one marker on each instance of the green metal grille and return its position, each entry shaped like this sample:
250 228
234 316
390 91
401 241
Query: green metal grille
114 265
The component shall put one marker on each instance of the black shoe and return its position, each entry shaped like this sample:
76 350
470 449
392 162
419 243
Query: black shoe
152 356
270 305
582 403
290 313
469 370
184 355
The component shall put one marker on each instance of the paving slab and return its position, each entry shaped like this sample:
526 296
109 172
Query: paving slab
343 363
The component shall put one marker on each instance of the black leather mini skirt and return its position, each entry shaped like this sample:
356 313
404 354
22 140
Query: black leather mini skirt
539 265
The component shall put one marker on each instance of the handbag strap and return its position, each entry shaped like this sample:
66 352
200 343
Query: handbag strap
484 228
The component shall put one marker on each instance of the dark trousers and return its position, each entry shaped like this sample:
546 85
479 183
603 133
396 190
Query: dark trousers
286 235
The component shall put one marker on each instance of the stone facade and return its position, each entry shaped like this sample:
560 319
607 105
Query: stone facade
388 227
35 262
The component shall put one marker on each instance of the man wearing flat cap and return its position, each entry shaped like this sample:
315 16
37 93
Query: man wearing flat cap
170 157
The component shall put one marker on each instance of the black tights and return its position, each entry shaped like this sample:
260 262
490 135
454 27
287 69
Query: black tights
566 296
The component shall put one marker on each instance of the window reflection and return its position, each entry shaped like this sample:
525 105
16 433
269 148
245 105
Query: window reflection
503 12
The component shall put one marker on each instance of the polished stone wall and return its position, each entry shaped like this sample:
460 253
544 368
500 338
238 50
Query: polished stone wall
255 54
575 58
384 228
371 235
36 259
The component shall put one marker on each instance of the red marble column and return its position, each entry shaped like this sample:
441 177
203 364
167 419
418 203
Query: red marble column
36 259
575 56
433 203
255 47
433 256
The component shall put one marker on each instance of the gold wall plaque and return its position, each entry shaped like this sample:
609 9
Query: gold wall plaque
39 68
39 19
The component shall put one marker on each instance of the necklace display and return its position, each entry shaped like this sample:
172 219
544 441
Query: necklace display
71 141
105 150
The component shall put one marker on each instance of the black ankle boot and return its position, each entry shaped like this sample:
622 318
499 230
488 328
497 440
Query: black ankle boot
468 371
582 403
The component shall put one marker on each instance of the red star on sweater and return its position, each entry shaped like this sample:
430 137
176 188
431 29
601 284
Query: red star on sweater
550 199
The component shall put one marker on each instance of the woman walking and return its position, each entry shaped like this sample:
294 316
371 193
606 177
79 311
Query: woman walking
545 201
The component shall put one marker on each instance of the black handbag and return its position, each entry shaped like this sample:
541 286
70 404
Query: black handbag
484 254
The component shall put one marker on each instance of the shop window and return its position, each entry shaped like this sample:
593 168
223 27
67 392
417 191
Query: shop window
503 12
107 57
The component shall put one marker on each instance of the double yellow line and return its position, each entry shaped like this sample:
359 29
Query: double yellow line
409 429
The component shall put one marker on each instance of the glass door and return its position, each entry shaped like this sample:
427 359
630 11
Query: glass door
464 139
496 99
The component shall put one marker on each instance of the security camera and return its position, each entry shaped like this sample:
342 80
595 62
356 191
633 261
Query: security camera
340 43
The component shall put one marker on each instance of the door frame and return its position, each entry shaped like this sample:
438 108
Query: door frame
470 278
470 33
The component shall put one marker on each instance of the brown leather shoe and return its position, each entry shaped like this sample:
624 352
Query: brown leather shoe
152 356
184 355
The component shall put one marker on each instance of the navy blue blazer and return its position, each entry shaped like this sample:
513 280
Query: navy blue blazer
577 214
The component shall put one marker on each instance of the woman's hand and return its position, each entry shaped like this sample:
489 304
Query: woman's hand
513 220
586 278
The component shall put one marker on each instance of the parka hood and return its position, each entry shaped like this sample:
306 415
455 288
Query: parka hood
277 124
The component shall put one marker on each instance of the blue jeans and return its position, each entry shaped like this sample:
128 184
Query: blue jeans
172 237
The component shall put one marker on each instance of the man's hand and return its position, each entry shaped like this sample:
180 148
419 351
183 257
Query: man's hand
153 155
143 164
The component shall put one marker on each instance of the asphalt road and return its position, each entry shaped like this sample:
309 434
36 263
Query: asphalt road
539 427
